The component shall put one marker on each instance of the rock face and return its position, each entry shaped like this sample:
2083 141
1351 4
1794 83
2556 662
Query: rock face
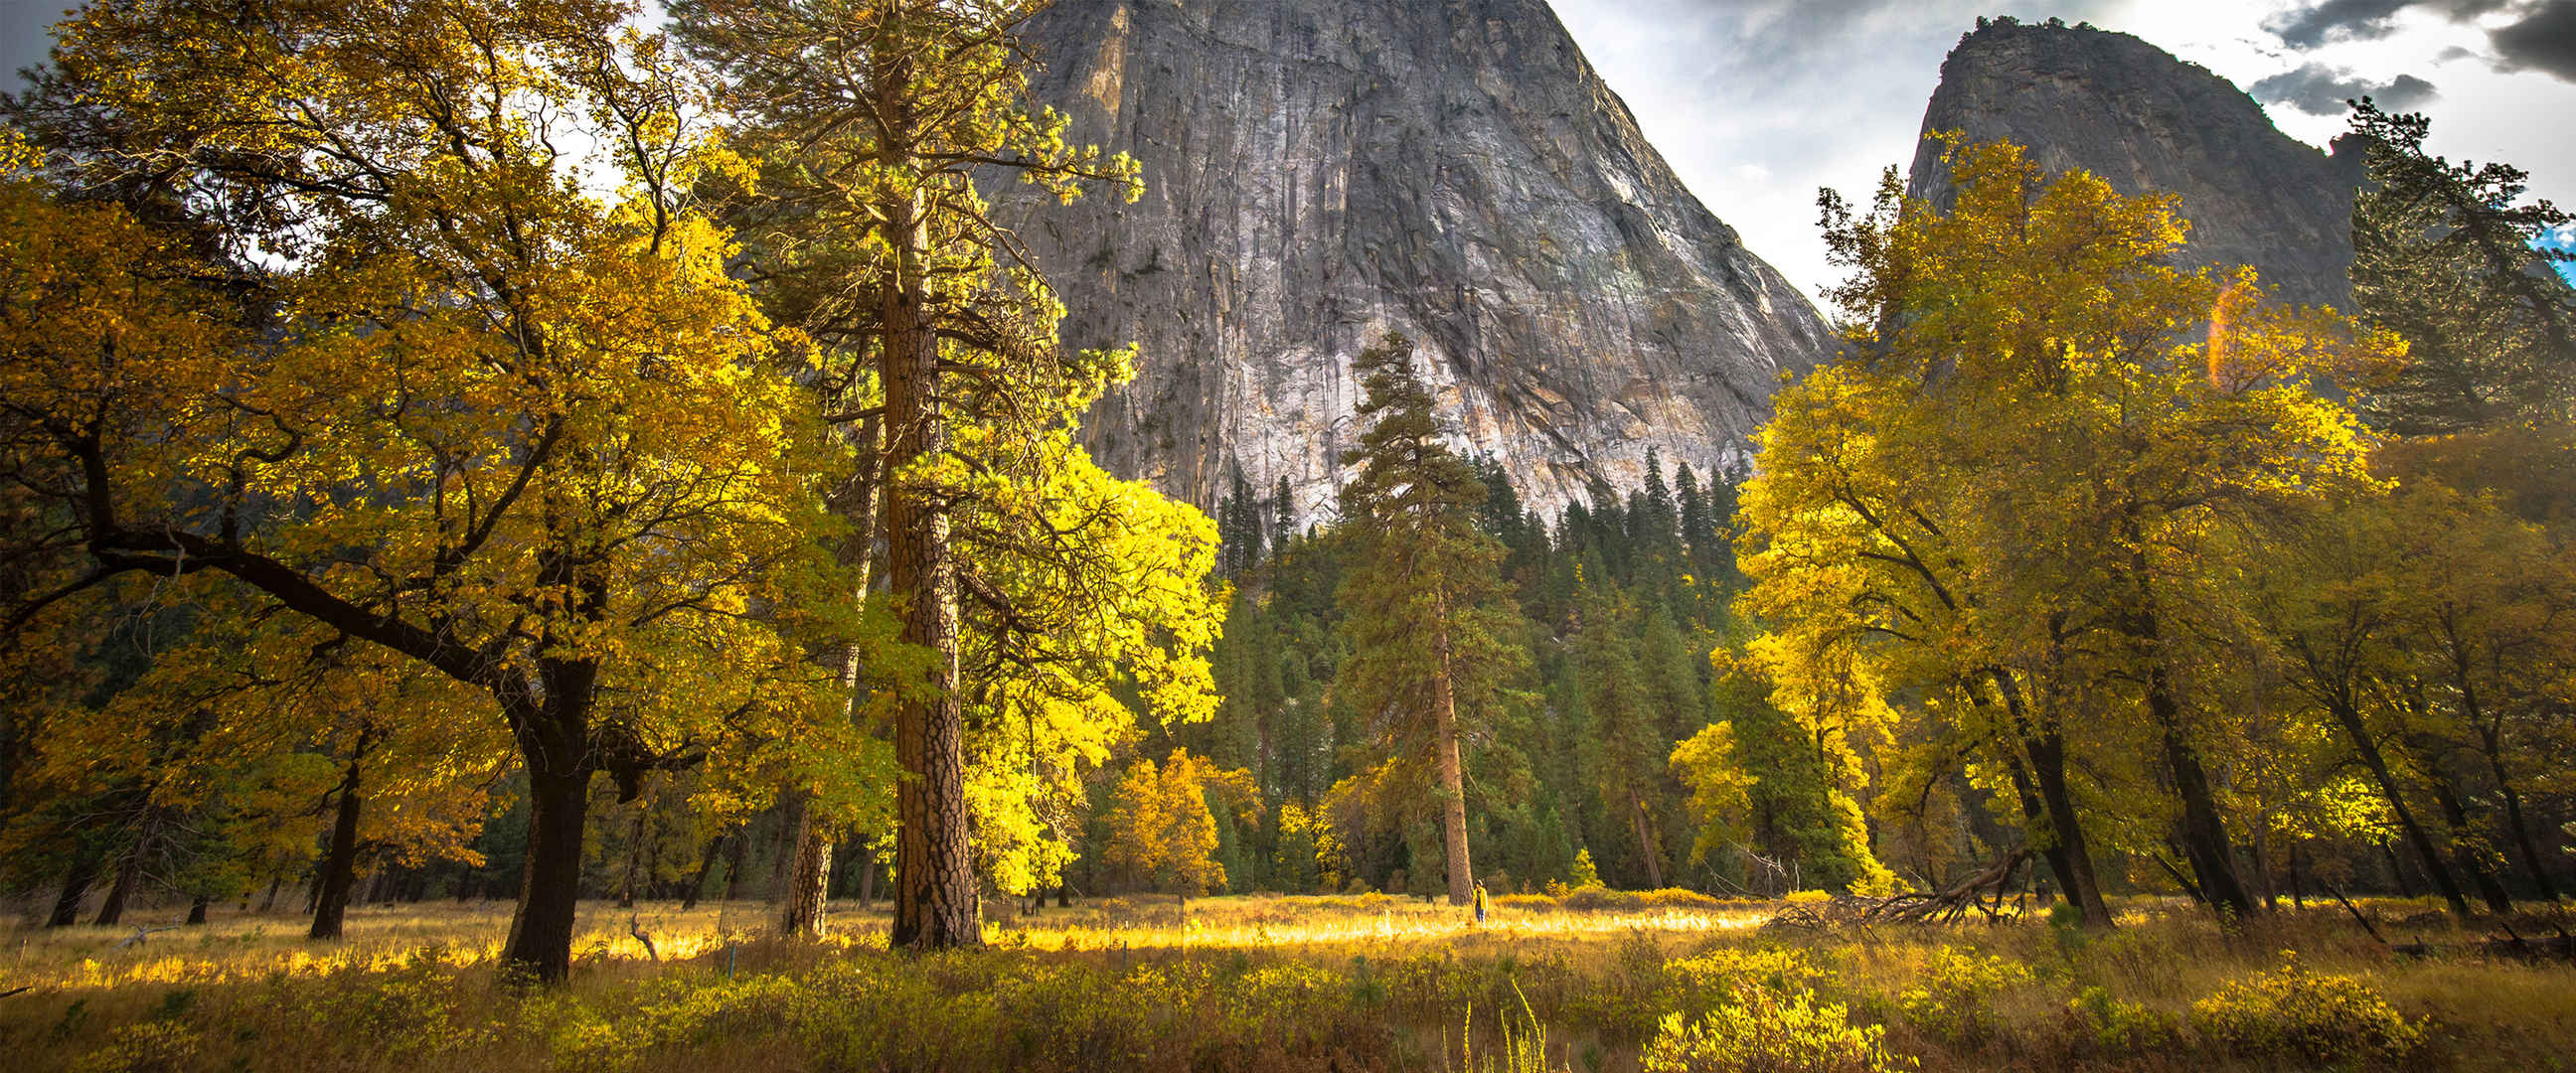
1320 172
2130 112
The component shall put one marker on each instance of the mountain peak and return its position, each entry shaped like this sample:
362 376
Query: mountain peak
2134 114
1320 172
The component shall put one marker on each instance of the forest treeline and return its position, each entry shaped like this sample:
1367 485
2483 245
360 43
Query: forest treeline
469 450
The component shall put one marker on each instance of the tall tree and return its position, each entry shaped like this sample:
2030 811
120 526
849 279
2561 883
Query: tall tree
886 111
2017 491
1430 630
523 433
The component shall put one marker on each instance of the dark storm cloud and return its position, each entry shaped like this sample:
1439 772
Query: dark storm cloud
2544 39
2321 90
2539 35
2336 20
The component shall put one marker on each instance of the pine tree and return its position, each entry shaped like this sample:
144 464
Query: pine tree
1430 632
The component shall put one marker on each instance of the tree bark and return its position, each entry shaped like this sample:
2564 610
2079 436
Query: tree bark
2204 834
540 940
935 896
76 883
129 870
340 863
1453 785
809 874
2048 768
197 909
1646 847
2372 759
706 864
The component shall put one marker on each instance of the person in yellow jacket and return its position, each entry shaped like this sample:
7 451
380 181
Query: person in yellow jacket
1480 904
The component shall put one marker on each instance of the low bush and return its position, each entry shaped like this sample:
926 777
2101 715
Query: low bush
2290 1014
2109 1027
1954 999
1764 1032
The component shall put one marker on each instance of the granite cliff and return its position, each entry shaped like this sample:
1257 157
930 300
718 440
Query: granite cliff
2132 113
1319 172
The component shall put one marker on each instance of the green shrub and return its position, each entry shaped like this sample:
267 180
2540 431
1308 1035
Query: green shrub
2113 1027
1696 985
1763 1032
161 1046
1954 1000
2291 1014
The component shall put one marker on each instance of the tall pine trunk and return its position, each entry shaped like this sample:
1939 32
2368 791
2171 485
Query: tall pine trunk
340 863
935 904
1453 806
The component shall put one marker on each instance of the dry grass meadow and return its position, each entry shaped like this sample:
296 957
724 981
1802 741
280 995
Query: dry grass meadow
1260 983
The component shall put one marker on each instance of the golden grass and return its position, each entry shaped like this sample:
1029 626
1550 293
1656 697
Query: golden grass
1299 982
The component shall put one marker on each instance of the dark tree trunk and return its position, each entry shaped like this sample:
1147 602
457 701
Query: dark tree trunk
698 883
2047 808
867 865
2204 831
2521 828
549 895
733 864
268 904
2465 844
2204 834
340 863
129 872
76 882
2372 759
197 909
2048 766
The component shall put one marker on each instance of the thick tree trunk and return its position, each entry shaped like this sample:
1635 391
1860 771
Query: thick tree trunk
540 940
76 883
197 909
2204 834
2376 763
809 875
935 896
1453 782
268 904
340 863
2204 831
2048 810
2048 768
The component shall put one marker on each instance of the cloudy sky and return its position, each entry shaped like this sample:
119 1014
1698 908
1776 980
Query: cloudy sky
1759 102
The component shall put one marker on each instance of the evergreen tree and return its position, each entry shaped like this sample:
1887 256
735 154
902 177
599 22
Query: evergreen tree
2450 257
1431 636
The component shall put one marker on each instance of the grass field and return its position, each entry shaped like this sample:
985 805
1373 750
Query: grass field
1290 983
